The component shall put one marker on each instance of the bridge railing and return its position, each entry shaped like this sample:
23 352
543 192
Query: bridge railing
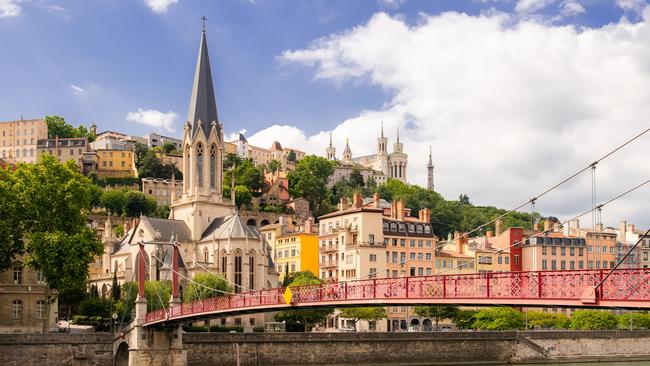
622 285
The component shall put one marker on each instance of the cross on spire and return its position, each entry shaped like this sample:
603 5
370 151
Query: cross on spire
203 19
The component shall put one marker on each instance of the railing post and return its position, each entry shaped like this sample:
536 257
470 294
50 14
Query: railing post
539 284
141 274
487 284
444 286
407 286
346 290
374 288
175 255
599 290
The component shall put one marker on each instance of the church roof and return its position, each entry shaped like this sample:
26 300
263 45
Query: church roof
203 105
230 227
242 138
276 145
167 227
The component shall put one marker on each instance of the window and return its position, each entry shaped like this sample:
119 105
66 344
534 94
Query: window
206 255
412 256
553 250
18 275
199 164
412 243
563 251
553 264
507 260
428 256
428 271
420 271
402 257
581 252
516 259
394 257
500 260
604 264
420 243
293 252
373 273
17 309
591 264
590 249
40 309
544 264
572 251
562 264
402 242
581 264
371 238
373 257
572 265
412 271
40 277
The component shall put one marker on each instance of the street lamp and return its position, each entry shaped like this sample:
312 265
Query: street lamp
114 317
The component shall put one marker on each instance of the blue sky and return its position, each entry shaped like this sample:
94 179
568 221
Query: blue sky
512 95
125 56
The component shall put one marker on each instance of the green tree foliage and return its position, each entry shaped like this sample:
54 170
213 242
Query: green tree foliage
437 312
499 318
542 320
593 320
127 202
309 180
11 222
124 307
54 201
58 127
115 288
634 320
369 314
274 166
356 178
464 319
158 294
95 306
247 175
170 148
140 151
291 156
201 290
151 167
303 320
231 160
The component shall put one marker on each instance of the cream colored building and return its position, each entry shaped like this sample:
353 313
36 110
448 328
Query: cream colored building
18 140
162 190
65 149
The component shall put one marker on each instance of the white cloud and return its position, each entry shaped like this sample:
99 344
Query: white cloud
530 6
509 109
153 118
632 5
571 8
235 135
391 3
159 6
9 8
77 90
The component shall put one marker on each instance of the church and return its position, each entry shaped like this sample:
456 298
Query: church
382 165
210 232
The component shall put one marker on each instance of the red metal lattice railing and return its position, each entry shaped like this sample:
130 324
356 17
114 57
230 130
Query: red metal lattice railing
625 287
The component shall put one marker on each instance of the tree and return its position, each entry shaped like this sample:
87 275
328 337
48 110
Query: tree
464 199
169 148
274 165
205 286
140 151
593 320
113 200
356 178
500 318
58 127
158 294
138 203
309 180
437 312
541 320
54 201
367 313
464 319
303 320
291 156
115 288
634 320
11 222
231 160
151 166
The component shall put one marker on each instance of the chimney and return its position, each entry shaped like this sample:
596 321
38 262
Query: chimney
358 200
461 241
535 227
421 214
630 228
393 210
574 225
622 229
343 203
375 200
308 226
547 225
400 210
427 215
498 226
599 228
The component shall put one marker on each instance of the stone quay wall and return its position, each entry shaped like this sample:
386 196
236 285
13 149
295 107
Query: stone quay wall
275 349
56 349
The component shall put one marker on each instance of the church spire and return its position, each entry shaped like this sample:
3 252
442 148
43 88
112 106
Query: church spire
330 139
398 134
347 152
203 105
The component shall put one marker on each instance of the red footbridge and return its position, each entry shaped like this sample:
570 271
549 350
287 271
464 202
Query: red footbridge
622 288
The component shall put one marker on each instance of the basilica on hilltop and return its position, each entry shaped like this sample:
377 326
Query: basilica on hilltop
212 236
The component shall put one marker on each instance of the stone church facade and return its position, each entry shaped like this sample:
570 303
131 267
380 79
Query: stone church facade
210 232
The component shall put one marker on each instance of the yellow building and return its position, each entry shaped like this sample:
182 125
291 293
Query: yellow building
116 163
296 252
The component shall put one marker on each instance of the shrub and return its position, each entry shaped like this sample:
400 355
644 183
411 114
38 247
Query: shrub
634 320
593 320
501 318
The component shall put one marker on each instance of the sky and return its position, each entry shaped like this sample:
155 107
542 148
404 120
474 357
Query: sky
512 96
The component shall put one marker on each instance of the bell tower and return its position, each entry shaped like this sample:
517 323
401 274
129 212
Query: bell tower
331 150
202 199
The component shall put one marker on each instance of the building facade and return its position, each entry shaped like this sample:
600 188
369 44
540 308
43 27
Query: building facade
116 163
18 140
162 190
65 149
393 165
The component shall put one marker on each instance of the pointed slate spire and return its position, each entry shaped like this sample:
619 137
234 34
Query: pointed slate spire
203 104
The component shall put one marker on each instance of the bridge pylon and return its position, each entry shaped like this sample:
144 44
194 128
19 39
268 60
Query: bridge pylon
140 345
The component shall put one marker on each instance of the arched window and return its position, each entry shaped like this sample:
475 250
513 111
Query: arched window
17 309
199 164
238 272
206 255
251 271
213 165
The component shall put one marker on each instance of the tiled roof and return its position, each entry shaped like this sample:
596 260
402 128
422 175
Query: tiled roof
230 227
167 227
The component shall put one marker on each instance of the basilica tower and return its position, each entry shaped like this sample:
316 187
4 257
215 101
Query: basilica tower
201 199
331 150
430 171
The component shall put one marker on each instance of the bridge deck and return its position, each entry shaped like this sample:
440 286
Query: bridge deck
626 288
